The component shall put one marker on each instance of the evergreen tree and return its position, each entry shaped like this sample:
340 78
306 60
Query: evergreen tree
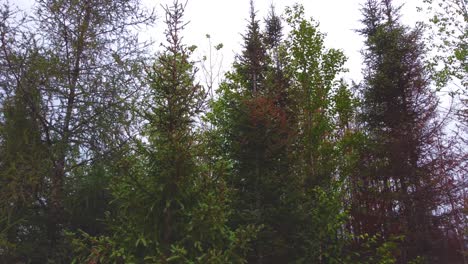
264 138
251 64
277 81
170 209
24 161
406 172
253 132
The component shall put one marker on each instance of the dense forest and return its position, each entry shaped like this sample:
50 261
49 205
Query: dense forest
112 153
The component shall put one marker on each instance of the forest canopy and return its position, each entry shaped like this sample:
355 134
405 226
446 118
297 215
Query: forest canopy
112 153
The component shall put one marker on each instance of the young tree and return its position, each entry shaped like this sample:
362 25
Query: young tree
314 70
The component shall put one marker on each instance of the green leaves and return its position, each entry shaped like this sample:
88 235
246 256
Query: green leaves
282 143
106 157
448 39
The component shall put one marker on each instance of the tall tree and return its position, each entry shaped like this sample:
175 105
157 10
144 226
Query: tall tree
170 207
87 78
262 137
252 133
314 69
407 172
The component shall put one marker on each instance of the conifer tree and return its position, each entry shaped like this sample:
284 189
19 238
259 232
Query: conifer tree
253 133
170 209
251 64
24 161
263 134
407 169
87 76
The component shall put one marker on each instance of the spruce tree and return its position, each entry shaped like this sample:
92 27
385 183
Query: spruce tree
253 125
405 173
251 64
170 207
263 134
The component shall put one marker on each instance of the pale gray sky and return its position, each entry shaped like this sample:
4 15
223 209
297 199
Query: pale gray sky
225 21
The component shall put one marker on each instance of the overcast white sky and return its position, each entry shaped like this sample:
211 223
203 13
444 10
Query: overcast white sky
225 20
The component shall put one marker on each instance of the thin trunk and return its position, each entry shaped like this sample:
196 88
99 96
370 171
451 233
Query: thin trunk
56 212
258 199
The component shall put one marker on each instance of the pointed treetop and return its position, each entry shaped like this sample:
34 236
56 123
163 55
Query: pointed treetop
274 28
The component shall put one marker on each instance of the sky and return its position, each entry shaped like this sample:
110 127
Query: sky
226 20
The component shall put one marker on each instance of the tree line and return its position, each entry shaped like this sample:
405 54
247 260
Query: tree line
112 154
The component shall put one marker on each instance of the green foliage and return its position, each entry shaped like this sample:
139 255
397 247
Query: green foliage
268 137
324 105
169 207
23 163
90 196
448 38
107 158
314 69
374 249
325 221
